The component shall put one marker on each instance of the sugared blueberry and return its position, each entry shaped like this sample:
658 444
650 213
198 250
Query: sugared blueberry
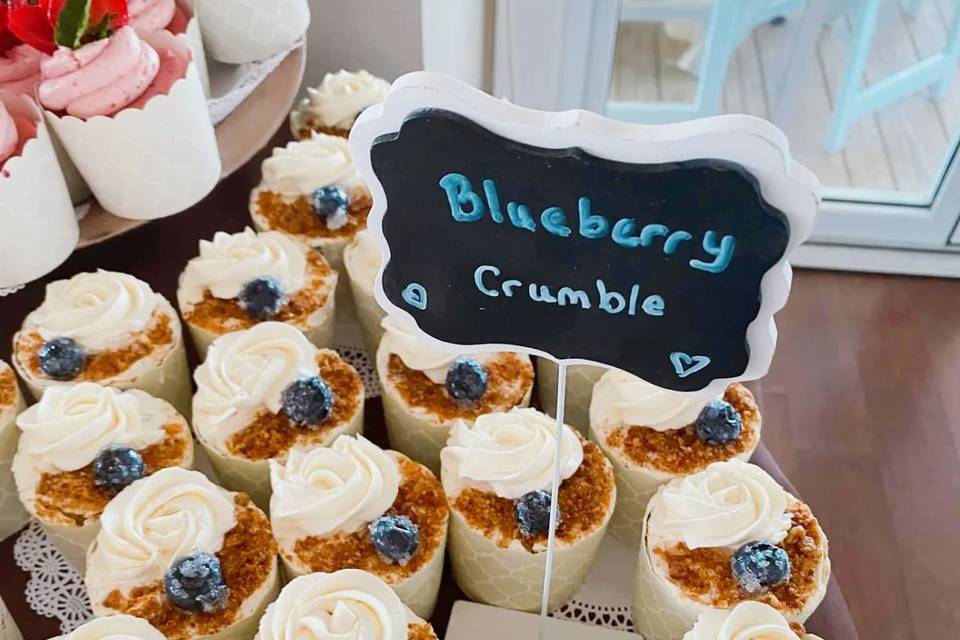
331 201
262 298
466 380
195 583
532 512
396 538
115 467
307 402
760 565
718 423
62 358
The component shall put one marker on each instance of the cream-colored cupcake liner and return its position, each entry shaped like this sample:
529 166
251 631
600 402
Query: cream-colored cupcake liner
661 612
12 514
133 160
38 229
369 313
249 30
253 476
513 577
8 627
580 381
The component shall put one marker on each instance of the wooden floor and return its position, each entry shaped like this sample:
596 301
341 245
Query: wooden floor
899 149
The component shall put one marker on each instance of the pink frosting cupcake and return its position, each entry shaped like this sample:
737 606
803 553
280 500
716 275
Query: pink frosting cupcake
20 69
150 16
14 133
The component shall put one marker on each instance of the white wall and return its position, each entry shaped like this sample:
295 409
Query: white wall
381 36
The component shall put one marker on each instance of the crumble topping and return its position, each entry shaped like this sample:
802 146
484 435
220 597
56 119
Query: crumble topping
420 632
298 218
313 125
680 451
8 387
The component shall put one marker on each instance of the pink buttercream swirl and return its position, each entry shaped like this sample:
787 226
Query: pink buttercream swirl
20 69
100 78
9 138
147 16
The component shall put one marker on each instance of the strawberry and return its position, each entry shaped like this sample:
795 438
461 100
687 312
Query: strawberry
47 24
28 20
7 39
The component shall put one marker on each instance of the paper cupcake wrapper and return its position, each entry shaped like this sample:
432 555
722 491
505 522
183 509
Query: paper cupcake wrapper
253 476
194 37
77 187
248 30
8 628
73 542
580 381
369 313
12 514
661 612
153 162
38 229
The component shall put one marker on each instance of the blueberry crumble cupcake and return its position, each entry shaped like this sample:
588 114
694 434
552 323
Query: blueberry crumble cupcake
653 435
498 477
576 404
362 259
81 444
196 561
265 391
425 391
119 627
104 327
747 621
244 278
333 106
12 514
723 536
355 506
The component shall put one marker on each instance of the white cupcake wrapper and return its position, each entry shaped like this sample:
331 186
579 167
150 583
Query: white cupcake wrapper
249 30
12 514
580 381
38 229
8 627
369 313
153 162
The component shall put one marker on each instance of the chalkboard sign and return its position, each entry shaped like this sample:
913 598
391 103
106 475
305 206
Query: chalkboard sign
497 232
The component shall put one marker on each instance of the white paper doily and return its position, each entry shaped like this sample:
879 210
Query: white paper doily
359 359
232 84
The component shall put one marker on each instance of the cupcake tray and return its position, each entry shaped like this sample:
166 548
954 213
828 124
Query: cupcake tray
241 129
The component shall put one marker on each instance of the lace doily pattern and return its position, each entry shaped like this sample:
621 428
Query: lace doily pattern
6 291
619 618
249 78
359 359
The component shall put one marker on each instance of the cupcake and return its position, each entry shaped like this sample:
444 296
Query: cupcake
355 506
497 475
241 31
723 536
426 391
196 561
267 390
20 69
311 190
8 626
747 621
343 605
653 435
150 16
334 105
121 627
362 259
81 444
104 327
580 381
12 514
244 278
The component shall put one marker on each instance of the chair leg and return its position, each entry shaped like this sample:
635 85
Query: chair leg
912 7
718 48
951 53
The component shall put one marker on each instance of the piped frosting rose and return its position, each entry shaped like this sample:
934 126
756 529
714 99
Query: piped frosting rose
726 505
344 605
99 310
622 399
341 96
746 621
400 339
156 521
300 168
229 261
509 454
99 78
325 490
151 15
20 69
120 627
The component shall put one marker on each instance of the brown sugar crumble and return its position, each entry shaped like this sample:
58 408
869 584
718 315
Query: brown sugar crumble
509 378
71 497
247 558
313 126
272 435
584 502
704 575
680 451
102 365
220 315
298 218
420 632
420 498
8 387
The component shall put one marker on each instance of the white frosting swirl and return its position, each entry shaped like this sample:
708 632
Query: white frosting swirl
300 168
345 605
362 258
247 371
623 399
156 521
746 621
231 260
509 454
341 97
99 310
119 627
324 490
72 423
726 505
400 338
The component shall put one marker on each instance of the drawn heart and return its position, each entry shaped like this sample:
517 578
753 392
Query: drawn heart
415 295
686 365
